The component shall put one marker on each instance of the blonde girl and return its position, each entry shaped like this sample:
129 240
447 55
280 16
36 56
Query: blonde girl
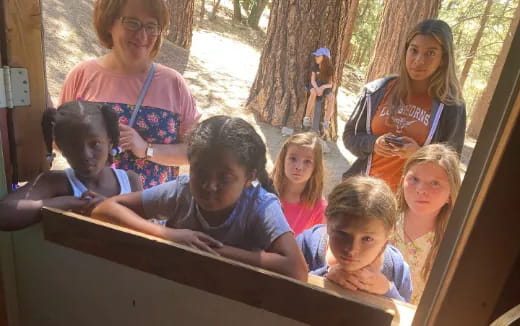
397 115
298 179
426 195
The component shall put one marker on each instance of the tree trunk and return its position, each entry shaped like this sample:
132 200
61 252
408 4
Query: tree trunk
474 46
481 108
247 5
202 10
256 12
213 15
296 29
399 16
181 24
237 13
351 54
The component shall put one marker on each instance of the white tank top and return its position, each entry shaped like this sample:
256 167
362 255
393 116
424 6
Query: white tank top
79 188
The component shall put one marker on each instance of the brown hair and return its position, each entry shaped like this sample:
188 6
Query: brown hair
444 84
106 12
326 70
362 197
314 187
446 158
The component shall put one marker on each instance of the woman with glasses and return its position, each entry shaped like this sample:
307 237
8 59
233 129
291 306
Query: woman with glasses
155 106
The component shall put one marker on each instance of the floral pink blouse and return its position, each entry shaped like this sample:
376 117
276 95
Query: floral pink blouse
166 116
415 254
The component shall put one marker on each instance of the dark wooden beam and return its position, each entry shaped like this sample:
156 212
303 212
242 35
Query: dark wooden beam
3 302
4 157
481 244
25 49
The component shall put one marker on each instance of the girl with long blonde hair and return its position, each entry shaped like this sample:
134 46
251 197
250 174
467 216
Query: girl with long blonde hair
298 179
426 195
397 115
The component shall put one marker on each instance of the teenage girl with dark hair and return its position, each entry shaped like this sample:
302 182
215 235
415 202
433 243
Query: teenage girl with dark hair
219 208
396 116
321 85
86 133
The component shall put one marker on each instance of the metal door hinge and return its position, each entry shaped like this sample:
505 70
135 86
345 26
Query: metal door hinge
14 88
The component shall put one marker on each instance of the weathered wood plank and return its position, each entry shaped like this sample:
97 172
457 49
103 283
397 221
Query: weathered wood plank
25 49
4 164
481 244
253 286
492 244
404 312
8 290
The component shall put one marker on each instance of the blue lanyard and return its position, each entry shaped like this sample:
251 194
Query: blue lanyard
141 96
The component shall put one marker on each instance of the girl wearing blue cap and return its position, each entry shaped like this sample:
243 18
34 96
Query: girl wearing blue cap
321 85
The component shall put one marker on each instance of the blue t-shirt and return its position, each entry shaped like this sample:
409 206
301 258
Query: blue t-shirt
313 244
255 222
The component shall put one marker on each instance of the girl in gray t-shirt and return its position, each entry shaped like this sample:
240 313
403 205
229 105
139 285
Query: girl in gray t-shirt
227 206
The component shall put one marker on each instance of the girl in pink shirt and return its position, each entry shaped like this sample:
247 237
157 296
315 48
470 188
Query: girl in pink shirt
298 178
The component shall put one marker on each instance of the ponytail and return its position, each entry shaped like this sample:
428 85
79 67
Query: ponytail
48 122
112 126
265 181
56 123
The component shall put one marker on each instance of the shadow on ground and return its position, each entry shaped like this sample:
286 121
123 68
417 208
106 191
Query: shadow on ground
239 32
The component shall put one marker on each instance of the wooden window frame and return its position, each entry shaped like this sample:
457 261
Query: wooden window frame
317 302
456 293
472 253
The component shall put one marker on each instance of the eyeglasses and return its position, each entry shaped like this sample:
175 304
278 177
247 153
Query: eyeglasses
134 25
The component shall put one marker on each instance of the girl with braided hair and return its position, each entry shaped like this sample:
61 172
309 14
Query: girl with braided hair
226 206
87 134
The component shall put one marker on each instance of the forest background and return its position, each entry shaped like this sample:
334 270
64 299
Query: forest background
251 58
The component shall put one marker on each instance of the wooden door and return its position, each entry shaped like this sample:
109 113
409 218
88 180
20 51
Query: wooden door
23 32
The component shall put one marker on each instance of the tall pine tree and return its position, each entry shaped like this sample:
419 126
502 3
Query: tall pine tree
296 29
398 18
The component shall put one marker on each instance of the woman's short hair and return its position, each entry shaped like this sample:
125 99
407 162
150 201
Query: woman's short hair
106 12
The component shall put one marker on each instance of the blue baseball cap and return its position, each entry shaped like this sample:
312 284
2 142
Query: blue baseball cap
322 51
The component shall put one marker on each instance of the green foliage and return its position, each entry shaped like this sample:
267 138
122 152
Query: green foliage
366 26
464 18
247 4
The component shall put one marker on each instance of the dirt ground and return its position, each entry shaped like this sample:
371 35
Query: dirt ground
219 69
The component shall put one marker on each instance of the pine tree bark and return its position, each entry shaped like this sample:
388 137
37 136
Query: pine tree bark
476 42
481 107
399 16
202 10
256 12
296 29
237 13
213 14
181 22
246 4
